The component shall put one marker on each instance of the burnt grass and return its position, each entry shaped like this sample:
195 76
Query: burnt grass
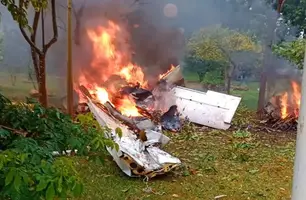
241 163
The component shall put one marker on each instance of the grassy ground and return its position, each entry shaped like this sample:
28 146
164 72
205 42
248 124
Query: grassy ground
249 97
20 88
231 165
237 164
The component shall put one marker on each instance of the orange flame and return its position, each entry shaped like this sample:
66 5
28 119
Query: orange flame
128 107
163 75
102 95
291 106
284 104
296 97
111 56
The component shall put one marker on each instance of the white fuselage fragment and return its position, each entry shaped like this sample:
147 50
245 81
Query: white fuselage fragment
212 109
146 155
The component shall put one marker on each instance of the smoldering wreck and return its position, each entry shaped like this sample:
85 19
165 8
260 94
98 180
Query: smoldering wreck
143 95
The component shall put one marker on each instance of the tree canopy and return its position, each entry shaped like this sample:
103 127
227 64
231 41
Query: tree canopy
292 51
19 11
294 13
216 43
213 51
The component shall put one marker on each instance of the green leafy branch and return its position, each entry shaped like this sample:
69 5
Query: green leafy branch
292 51
29 135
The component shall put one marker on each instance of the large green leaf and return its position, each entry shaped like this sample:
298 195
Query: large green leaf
10 176
50 193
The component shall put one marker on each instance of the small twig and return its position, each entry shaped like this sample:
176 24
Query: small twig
15 131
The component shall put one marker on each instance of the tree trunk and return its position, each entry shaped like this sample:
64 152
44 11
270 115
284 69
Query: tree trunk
228 71
201 76
39 56
263 81
228 79
262 92
228 86
78 16
33 50
267 61
225 77
42 87
35 63
77 34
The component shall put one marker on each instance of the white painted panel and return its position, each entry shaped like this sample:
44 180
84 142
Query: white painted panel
209 108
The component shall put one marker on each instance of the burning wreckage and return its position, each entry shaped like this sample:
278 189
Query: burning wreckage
282 111
147 112
119 97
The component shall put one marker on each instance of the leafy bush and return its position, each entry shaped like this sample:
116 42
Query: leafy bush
292 51
209 71
29 136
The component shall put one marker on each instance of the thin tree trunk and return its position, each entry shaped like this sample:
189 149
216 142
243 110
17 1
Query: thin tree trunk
225 77
78 15
229 77
263 80
228 72
39 56
33 50
201 76
228 87
35 64
43 98
262 92
267 61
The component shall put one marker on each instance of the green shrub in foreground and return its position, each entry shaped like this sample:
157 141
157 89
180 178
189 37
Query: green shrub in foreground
29 134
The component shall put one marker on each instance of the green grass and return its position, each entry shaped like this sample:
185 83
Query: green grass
240 165
189 76
249 97
20 89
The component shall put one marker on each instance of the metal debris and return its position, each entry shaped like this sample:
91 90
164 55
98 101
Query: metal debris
209 108
136 157
170 120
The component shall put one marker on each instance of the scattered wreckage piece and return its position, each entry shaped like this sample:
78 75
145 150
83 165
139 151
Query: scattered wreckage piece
137 124
212 109
136 157
170 120
175 76
143 98
145 104
209 108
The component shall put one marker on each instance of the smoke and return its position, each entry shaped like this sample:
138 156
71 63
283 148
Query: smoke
156 32
157 40
145 39
150 43
156 45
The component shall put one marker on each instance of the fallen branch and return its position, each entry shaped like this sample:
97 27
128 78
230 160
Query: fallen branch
15 131
110 109
115 113
276 123
85 92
